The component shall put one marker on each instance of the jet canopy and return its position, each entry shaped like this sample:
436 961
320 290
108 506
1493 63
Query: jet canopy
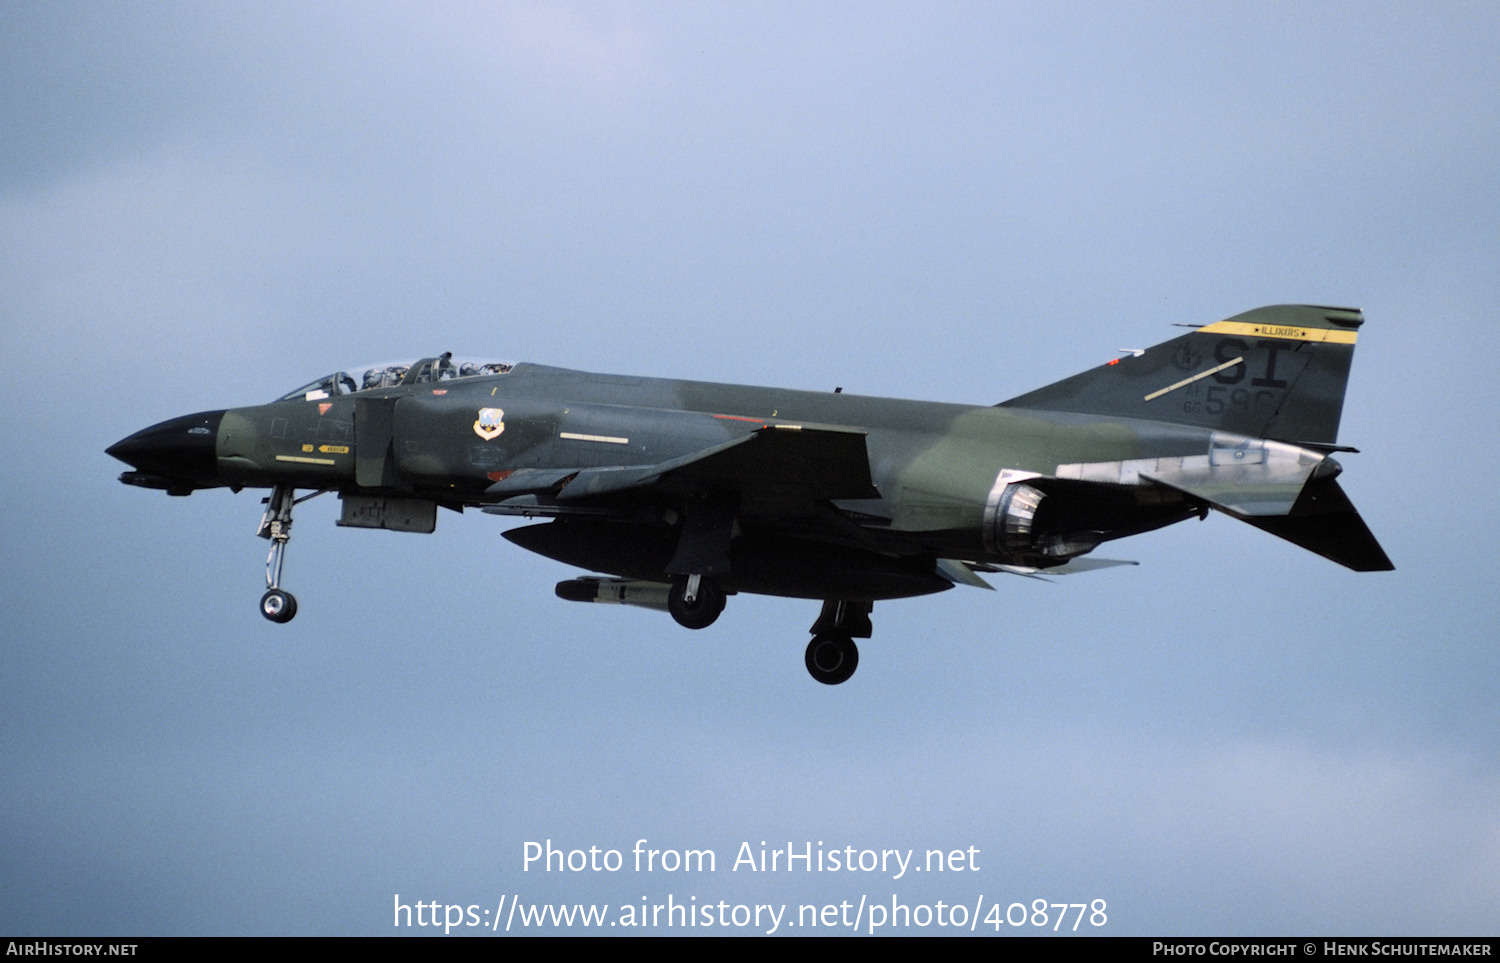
444 367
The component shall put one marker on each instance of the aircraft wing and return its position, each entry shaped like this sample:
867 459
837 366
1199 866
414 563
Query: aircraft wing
775 469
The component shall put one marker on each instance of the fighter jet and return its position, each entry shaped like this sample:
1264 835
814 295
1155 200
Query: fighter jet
676 494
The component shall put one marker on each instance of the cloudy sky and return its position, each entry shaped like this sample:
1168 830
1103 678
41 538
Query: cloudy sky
204 206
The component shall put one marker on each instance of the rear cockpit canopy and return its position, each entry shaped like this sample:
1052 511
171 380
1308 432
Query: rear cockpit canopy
445 367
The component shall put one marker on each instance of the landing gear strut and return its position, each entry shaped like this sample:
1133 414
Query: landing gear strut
695 601
277 604
832 655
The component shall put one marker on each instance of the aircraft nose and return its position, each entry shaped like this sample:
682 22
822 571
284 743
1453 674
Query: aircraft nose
176 455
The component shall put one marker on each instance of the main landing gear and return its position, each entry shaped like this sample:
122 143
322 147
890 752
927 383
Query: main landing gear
832 655
695 601
832 658
277 604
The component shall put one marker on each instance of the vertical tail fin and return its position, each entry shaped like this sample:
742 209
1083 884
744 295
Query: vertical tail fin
1276 372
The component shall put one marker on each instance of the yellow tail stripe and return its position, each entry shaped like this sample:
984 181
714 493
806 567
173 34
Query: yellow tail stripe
1285 332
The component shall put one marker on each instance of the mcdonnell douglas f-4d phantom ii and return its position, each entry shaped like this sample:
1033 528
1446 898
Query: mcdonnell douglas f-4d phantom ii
685 492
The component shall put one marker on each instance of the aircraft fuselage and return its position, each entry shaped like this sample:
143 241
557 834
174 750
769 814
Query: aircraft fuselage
687 491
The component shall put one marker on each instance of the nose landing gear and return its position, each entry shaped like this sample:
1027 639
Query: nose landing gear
277 604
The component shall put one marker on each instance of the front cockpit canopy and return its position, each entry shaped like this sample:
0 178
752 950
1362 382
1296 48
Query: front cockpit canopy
445 367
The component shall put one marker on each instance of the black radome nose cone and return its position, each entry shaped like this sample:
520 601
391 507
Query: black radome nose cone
180 450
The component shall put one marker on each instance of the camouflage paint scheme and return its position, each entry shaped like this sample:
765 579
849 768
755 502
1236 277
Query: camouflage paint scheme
683 492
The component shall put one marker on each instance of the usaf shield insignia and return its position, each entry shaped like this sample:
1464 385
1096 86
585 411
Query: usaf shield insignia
491 422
